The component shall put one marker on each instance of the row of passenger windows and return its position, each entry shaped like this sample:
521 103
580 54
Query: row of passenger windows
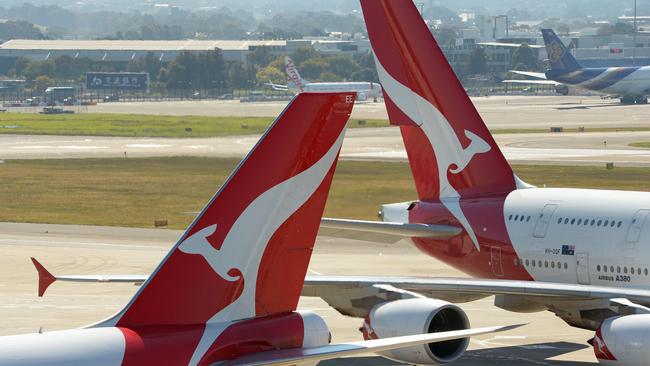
572 221
589 222
541 264
520 218
626 270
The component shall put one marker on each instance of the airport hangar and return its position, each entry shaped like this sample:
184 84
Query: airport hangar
120 52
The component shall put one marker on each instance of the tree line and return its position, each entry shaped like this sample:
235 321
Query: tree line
205 70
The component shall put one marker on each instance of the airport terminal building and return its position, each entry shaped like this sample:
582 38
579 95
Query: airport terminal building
123 51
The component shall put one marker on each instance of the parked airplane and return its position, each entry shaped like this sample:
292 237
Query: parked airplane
228 290
630 84
296 84
578 253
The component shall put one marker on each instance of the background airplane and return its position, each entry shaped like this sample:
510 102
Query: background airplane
228 290
631 84
296 84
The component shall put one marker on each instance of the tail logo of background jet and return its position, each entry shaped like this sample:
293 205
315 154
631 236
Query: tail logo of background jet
242 267
449 152
557 52
292 74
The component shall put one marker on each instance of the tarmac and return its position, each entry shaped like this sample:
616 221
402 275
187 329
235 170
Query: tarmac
66 249
499 112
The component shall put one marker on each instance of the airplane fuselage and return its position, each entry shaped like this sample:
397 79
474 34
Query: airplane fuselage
573 236
607 80
364 90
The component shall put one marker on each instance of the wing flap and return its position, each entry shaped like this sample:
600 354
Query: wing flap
299 356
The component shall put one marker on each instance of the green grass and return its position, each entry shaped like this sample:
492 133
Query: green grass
644 144
135 192
140 125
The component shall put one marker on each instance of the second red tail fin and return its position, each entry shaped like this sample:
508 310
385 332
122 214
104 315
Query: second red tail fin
451 151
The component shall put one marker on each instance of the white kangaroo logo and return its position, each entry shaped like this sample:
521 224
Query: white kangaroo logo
450 154
245 243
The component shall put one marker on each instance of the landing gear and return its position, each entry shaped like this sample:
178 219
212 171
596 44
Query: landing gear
641 100
627 99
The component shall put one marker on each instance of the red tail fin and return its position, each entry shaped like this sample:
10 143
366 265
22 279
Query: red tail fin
247 253
451 151
45 278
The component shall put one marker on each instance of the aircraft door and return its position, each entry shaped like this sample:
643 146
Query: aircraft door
634 232
495 261
582 268
544 220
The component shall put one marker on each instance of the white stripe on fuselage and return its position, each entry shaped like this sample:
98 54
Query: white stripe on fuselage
599 245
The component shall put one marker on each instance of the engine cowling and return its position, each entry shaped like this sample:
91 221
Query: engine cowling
316 331
362 97
623 340
418 316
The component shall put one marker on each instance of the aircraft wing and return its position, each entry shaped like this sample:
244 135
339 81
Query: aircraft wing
383 232
341 291
277 86
538 75
538 82
299 356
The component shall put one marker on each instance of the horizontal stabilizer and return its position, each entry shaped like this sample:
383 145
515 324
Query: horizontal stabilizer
534 82
315 354
383 232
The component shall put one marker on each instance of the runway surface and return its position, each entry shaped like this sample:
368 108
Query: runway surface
499 112
546 340
364 144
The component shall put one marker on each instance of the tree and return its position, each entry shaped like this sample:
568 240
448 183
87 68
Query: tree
445 36
477 63
343 66
260 57
525 55
314 67
271 74
35 69
43 82
303 54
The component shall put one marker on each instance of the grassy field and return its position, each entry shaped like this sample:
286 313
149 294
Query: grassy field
140 125
135 192
644 144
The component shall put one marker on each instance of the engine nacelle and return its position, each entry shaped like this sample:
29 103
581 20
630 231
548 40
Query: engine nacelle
316 331
623 340
418 316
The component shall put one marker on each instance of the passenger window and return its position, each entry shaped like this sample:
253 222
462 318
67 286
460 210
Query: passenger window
631 270
586 222
618 269
521 219
625 270
566 221
611 269
645 271
533 263
573 221
552 264
593 222
565 266
559 265
516 217
598 268
559 221
539 264
579 221
613 223
527 218
606 223
527 263
619 224
545 264
599 222
510 217
605 269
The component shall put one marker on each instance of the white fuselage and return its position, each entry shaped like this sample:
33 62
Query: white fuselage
591 237
365 89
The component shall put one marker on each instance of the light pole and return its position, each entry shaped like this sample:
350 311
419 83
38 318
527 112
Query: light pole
634 38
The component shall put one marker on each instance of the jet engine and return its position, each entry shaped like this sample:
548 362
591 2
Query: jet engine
316 331
362 97
623 340
418 316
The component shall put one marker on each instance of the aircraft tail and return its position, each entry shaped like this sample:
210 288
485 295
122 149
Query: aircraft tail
559 57
246 254
294 80
450 149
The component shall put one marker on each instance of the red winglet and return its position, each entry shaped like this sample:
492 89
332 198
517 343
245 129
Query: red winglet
45 278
